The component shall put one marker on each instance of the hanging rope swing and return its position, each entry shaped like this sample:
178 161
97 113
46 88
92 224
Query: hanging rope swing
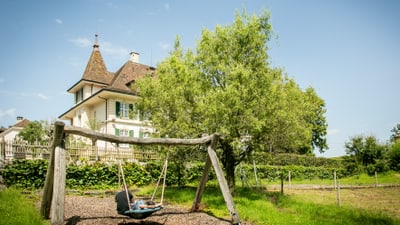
141 213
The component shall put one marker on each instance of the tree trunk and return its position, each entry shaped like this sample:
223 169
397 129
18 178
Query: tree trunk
229 162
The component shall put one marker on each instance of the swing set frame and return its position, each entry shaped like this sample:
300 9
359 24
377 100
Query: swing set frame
54 187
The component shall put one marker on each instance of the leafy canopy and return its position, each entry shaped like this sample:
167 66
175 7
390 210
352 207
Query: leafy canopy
227 86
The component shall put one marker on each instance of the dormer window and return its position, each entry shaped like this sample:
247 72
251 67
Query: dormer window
79 96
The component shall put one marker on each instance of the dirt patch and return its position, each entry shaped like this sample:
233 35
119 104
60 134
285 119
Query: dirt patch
97 210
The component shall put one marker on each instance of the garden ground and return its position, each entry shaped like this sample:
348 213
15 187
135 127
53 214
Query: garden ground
102 210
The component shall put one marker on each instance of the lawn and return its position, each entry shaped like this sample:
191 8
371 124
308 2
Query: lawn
374 205
17 208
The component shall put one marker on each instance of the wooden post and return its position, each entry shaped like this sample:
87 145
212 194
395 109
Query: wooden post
223 184
48 184
338 193
281 183
334 180
289 179
57 204
376 179
202 185
242 175
255 172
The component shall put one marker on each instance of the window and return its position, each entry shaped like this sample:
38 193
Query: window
123 110
123 133
79 96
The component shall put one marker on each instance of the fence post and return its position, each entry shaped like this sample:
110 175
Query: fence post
376 179
290 179
338 193
334 180
255 172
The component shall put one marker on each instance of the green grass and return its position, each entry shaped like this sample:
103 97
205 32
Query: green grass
362 179
16 209
259 206
262 206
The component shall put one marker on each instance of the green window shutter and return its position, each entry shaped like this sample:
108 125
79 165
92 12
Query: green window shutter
116 132
141 134
131 133
117 108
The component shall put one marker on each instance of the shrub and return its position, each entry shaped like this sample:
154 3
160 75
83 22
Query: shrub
25 173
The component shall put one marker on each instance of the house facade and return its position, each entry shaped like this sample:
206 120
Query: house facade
9 136
103 100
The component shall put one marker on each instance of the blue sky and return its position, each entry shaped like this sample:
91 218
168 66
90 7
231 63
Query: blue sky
348 50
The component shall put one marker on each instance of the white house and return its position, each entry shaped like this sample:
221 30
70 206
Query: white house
107 99
9 135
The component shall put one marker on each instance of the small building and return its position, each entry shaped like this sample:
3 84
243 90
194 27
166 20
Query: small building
9 135
104 100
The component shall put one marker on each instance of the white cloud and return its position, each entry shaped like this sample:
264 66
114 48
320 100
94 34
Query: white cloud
109 49
59 21
164 46
33 94
333 131
42 96
81 42
166 6
7 112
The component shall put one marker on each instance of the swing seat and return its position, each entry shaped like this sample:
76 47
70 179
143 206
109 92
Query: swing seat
141 213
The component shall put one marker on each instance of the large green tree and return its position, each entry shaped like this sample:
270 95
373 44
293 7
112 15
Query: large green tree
227 86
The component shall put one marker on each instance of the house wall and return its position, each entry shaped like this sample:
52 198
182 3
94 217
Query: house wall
113 123
89 90
10 134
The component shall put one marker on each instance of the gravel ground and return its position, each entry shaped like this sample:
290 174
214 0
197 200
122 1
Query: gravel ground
97 210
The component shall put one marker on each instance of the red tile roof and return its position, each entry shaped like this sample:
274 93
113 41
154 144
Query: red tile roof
127 75
22 123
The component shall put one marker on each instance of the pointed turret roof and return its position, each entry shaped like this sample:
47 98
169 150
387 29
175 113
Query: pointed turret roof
96 70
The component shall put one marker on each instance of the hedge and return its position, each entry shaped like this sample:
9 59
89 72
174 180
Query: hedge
32 173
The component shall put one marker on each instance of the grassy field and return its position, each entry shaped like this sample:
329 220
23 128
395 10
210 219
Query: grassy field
262 206
385 201
259 206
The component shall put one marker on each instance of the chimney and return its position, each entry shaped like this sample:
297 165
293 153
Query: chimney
19 118
134 57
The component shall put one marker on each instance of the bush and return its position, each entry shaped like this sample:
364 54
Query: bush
273 173
286 159
25 173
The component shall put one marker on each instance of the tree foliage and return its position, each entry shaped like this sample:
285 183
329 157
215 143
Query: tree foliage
227 86
395 133
368 153
394 156
35 132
